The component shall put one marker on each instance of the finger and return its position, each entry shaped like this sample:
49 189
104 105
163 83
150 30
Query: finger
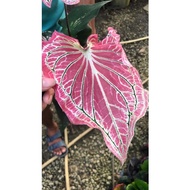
47 83
48 96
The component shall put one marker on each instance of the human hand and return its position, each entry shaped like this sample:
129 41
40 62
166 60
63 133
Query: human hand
48 91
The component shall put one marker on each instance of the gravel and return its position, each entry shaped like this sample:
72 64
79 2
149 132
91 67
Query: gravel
90 162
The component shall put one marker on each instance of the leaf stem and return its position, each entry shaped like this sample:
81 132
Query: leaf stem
67 20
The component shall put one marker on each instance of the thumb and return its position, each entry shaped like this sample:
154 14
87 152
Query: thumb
47 83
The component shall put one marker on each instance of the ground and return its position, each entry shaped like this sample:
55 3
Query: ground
90 162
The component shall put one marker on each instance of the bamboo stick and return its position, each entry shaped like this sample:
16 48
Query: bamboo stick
146 80
113 168
49 162
79 137
69 145
66 162
135 40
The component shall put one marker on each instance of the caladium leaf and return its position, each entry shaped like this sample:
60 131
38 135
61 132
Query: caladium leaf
68 2
97 86
47 3
71 2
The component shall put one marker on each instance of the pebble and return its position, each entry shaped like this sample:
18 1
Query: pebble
109 178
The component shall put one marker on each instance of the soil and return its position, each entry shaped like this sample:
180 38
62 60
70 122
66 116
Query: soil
131 23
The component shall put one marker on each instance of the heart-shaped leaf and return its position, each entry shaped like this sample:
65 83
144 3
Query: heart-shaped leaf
47 3
68 2
71 2
97 86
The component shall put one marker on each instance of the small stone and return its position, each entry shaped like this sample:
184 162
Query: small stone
94 171
78 178
145 7
107 182
50 176
60 178
56 182
59 171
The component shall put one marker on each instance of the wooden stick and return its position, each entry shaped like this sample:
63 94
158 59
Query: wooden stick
135 40
66 162
49 162
79 137
113 168
146 80
69 145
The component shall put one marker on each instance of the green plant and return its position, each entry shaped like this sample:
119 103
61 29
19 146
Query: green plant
135 175
137 184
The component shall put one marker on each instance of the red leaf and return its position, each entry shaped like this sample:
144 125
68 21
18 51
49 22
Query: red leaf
47 3
71 2
97 86
68 2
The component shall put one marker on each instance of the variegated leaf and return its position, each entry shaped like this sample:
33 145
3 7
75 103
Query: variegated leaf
97 86
47 3
71 2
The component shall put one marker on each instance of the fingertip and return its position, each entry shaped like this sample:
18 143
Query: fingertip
47 83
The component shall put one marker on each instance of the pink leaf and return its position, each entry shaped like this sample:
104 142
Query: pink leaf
71 2
47 3
97 86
